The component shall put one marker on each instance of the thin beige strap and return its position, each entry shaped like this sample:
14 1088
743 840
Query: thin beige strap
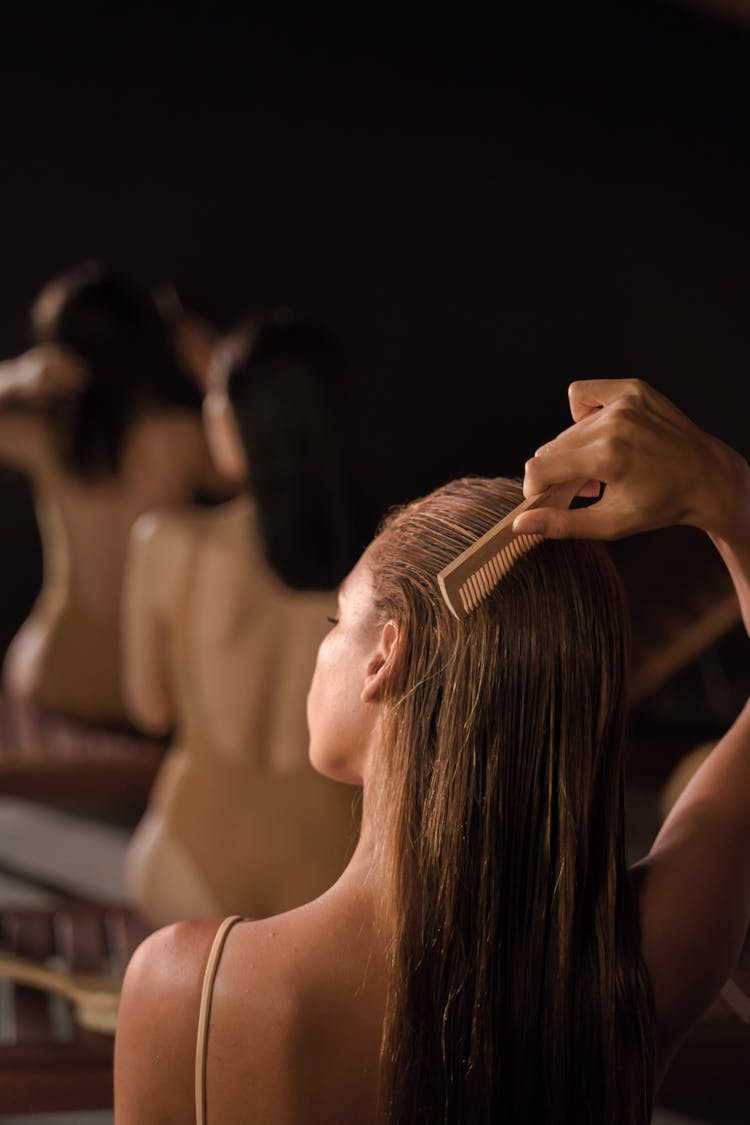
201 1047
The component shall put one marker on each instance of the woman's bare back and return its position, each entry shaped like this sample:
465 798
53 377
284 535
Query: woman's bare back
66 655
219 650
295 1018
241 645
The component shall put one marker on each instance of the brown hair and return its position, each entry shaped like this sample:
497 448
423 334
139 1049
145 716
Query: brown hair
517 988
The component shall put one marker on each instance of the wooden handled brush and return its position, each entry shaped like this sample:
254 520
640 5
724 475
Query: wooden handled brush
95 996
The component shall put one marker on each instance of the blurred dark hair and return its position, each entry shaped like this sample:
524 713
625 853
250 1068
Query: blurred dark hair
115 327
290 389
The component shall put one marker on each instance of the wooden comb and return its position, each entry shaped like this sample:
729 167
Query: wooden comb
471 576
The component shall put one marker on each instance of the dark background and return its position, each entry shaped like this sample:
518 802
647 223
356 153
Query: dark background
484 205
484 202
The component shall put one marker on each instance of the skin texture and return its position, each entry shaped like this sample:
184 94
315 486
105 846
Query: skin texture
66 655
299 998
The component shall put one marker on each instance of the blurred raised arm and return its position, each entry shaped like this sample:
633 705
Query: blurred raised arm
30 385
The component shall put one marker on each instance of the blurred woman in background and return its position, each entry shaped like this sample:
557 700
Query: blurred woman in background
105 423
223 612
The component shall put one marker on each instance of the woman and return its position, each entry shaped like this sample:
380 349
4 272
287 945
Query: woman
106 425
486 956
224 608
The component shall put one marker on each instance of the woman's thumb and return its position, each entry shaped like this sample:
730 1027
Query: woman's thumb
557 523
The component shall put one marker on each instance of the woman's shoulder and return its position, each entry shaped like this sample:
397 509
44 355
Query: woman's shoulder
161 993
284 987
164 977
169 540
164 973
176 522
157 1023
170 945
171 534
185 521
161 542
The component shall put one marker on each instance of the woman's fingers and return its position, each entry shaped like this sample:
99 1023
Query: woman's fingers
658 467
590 488
602 447
585 463
557 520
588 403
587 395
594 522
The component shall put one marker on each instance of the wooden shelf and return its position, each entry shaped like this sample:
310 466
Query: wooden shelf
47 757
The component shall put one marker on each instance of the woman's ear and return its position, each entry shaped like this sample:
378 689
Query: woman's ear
382 662
223 436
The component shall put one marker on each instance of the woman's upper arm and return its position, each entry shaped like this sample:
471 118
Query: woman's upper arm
153 566
694 886
154 1057
137 1092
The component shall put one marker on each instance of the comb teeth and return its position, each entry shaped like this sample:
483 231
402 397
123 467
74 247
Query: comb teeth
479 585
469 579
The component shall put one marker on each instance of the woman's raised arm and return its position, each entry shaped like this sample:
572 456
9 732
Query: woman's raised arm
29 386
659 469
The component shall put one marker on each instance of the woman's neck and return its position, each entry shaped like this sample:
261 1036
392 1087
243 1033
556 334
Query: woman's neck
360 873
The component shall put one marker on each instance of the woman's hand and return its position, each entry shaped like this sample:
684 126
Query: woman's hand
657 467
43 374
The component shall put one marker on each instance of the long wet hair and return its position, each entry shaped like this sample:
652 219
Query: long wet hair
291 390
114 326
518 994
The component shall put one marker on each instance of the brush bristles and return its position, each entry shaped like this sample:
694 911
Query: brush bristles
481 583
